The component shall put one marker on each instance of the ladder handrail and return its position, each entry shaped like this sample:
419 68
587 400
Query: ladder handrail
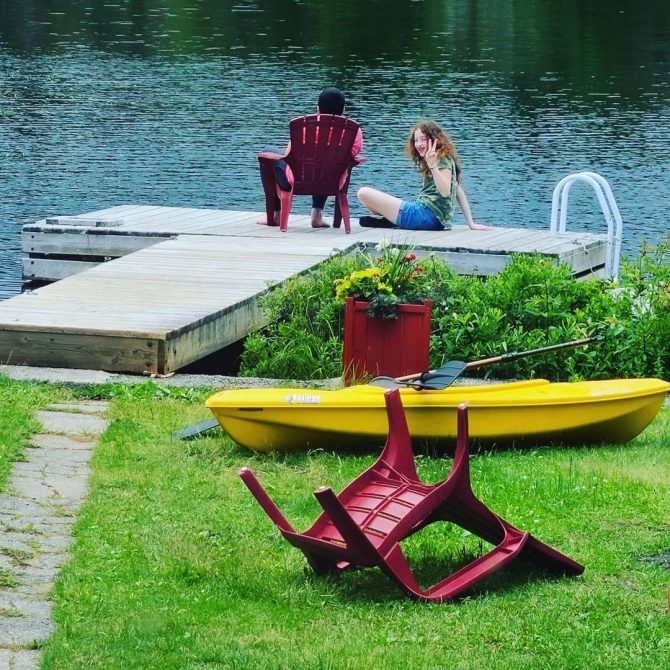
618 233
559 213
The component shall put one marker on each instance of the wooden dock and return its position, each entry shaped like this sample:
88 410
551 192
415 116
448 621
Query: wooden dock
55 248
151 289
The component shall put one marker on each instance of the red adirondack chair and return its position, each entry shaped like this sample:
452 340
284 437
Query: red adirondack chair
319 162
364 525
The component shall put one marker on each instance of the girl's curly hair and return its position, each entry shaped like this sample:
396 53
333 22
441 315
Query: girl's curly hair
445 147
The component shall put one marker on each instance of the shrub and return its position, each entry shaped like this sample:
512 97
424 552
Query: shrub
638 320
530 304
304 337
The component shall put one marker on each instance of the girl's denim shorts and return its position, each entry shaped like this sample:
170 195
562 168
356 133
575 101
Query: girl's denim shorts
416 216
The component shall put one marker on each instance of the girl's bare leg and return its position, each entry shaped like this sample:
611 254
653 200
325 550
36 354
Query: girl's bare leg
379 202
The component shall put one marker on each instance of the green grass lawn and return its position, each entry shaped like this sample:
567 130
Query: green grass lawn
176 566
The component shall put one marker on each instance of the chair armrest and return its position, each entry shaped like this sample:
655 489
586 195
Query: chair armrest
269 155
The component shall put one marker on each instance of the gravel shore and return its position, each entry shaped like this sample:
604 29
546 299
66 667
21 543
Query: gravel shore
72 377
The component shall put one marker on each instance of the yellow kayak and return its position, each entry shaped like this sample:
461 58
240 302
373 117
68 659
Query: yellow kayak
530 412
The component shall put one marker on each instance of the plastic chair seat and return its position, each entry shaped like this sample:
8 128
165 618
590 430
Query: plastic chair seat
378 510
319 162
364 525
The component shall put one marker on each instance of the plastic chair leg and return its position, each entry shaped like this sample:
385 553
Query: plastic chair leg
269 189
286 199
264 500
342 212
548 558
337 215
361 549
463 579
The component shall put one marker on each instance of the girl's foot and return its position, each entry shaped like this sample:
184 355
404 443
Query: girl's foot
375 222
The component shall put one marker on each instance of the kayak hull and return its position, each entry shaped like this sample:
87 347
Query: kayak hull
527 413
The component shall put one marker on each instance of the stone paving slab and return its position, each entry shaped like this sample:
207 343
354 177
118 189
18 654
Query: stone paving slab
88 407
64 442
19 660
37 512
62 469
32 625
52 524
71 423
17 544
21 507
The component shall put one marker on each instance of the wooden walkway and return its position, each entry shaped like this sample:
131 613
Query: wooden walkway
181 283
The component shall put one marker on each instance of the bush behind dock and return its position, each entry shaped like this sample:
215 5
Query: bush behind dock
531 303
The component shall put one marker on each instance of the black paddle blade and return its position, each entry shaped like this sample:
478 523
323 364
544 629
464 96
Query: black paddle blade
195 430
441 378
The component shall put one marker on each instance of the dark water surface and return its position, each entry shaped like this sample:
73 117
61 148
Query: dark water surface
166 102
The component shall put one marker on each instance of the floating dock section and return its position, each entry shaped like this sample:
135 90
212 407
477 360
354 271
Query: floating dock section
152 289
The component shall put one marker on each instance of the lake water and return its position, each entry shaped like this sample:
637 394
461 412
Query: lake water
166 102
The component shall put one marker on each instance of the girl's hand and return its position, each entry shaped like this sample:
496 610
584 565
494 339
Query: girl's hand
431 154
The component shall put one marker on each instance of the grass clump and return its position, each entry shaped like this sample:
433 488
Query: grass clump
176 566
18 402
7 578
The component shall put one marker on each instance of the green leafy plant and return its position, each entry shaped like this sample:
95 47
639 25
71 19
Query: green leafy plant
304 337
392 277
530 304
639 313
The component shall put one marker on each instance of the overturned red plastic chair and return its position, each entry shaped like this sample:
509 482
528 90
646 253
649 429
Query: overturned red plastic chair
365 524
319 162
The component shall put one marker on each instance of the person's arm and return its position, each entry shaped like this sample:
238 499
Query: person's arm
465 208
441 176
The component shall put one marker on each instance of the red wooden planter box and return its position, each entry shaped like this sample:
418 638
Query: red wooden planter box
392 347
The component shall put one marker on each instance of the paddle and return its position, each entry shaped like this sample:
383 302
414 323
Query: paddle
195 429
447 373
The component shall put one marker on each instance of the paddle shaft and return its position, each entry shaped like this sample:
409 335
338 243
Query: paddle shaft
505 358
531 352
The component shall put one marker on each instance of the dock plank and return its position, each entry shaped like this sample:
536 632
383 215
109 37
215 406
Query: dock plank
157 293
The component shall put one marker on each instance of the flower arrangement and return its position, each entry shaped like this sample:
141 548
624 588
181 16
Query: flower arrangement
393 276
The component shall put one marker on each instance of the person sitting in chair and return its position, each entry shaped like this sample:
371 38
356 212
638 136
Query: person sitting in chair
331 101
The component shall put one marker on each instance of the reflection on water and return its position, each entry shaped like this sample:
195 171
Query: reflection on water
166 101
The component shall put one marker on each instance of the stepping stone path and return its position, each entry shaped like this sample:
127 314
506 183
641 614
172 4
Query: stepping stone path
37 512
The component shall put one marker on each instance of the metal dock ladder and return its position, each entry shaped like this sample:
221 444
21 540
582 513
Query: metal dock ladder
559 205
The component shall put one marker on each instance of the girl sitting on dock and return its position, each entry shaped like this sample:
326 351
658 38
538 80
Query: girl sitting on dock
436 159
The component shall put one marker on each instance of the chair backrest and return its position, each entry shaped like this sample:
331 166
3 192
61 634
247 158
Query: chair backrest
320 152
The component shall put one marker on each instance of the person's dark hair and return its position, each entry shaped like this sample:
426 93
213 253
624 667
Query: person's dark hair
331 101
